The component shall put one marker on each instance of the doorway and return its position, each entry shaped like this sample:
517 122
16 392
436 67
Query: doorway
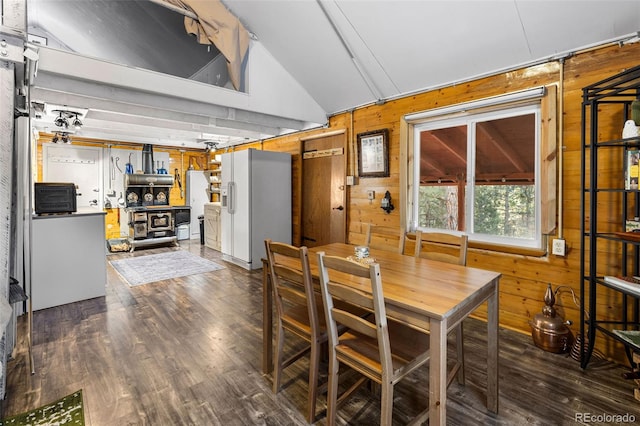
323 190
80 165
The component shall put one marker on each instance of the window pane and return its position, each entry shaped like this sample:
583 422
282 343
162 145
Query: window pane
477 174
504 192
443 168
505 210
438 207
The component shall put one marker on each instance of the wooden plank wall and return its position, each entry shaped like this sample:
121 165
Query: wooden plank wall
525 276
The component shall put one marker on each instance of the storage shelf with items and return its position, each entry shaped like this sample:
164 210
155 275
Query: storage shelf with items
610 208
215 178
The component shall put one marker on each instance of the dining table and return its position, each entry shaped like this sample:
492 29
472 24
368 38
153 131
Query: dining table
427 295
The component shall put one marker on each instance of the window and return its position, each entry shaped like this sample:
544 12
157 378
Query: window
480 171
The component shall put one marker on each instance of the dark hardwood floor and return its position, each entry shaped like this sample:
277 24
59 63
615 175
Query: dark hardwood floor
188 351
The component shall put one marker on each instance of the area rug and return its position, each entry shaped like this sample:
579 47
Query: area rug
66 411
157 267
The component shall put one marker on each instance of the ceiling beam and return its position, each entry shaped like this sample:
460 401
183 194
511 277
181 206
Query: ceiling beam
447 147
59 84
430 165
222 127
111 110
502 145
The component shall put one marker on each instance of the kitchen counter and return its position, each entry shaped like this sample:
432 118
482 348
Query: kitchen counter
68 258
86 211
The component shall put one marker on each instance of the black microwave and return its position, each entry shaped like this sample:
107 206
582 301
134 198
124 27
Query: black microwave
52 197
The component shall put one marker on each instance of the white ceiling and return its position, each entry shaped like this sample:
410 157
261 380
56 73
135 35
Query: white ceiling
309 58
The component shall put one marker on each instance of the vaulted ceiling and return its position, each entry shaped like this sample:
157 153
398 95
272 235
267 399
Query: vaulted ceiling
308 59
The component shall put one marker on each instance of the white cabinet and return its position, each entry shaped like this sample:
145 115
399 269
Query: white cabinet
212 225
68 258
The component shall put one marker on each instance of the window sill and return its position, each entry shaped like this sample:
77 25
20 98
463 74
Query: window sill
507 249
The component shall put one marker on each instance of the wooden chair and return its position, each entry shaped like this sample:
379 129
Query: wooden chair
384 352
385 238
299 311
443 247
447 248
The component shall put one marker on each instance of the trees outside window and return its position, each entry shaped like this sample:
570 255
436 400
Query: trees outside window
499 149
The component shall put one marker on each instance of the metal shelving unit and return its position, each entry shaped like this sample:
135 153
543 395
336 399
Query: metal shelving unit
601 228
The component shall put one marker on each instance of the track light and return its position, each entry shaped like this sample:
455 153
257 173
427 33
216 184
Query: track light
61 121
77 123
64 117
210 146
64 137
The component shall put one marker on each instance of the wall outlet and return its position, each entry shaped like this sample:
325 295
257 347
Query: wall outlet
371 195
558 247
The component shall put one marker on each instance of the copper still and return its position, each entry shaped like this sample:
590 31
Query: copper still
549 331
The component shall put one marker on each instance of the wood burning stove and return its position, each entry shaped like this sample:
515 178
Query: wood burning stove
137 225
159 223
151 219
151 225
147 190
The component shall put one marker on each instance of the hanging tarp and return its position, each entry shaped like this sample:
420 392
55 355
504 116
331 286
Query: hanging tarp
216 25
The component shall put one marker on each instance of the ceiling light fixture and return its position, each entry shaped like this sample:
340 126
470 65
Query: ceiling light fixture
210 146
61 121
64 137
66 118
77 123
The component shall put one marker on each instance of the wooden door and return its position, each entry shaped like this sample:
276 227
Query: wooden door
323 191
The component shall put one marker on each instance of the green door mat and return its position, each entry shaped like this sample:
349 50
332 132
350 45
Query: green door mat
65 411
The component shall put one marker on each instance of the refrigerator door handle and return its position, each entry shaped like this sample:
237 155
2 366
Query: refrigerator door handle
232 198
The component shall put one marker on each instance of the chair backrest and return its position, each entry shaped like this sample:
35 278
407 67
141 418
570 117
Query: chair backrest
385 238
442 247
291 280
371 299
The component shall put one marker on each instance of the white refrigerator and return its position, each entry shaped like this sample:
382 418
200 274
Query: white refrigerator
197 195
255 196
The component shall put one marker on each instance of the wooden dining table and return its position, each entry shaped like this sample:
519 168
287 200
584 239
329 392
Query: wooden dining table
427 295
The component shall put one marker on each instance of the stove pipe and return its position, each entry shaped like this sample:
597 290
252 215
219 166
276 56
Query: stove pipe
147 159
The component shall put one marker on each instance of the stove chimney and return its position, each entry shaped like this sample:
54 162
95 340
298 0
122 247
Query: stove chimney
147 159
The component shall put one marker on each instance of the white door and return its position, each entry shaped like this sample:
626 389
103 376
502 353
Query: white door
80 165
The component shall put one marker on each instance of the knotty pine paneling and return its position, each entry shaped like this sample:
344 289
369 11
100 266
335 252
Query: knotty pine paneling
524 278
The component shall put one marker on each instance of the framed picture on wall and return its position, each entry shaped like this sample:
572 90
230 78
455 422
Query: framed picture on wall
373 153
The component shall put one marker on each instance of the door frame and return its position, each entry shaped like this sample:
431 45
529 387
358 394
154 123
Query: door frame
345 196
46 154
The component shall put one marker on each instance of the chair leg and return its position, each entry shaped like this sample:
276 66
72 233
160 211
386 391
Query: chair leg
314 363
460 353
277 359
386 403
332 390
